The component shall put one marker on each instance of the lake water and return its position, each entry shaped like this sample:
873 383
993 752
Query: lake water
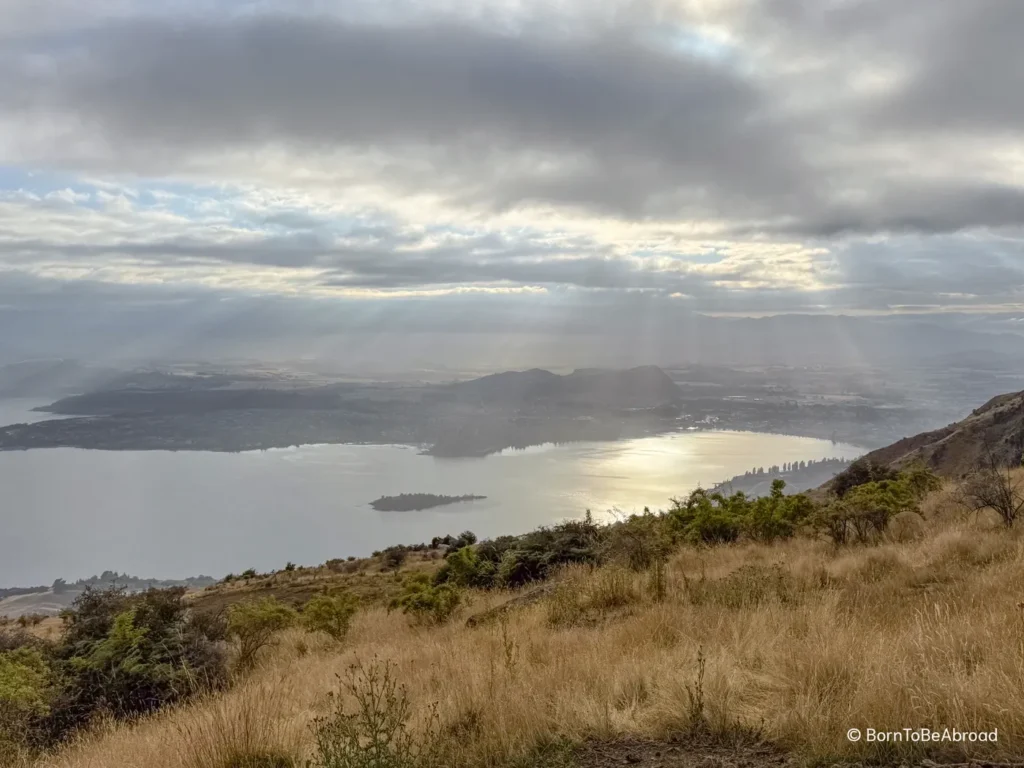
19 411
72 513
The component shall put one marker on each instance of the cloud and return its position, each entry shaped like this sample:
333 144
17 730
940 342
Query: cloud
616 123
779 153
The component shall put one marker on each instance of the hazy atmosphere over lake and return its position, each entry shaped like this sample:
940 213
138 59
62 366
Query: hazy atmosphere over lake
165 515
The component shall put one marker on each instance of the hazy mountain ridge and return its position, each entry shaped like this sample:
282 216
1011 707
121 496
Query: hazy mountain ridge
994 430
421 334
641 387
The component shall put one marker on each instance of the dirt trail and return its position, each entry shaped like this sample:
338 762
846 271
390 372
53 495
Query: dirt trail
669 754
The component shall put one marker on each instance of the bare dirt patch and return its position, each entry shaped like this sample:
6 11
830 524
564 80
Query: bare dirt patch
679 754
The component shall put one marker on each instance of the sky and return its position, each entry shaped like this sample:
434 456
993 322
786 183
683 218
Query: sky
198 166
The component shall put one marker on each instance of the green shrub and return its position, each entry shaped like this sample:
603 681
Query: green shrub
454 543
376 734
331 614
707 518
776 516
864 512
493 550
394 558
254 624
475 566
127 655
25 692
860 472
713 518
639 542
539 553
465 568
426 602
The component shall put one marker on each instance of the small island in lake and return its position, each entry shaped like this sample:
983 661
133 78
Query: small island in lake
409 502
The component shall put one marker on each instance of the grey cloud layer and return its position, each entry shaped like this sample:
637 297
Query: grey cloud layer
607 121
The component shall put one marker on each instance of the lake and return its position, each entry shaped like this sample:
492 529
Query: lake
72 513
19 411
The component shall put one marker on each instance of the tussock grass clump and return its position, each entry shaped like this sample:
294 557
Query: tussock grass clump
585 596
245 732
747 587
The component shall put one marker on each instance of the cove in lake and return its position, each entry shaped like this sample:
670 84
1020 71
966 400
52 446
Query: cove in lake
72 513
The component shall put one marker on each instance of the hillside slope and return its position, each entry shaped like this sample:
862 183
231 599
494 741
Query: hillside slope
996 428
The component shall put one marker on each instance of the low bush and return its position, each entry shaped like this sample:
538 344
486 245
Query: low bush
330 614
860 472
394 558
864 512
538 554
25 693
466 568
639 542
376 733
454 543
426 602
254 624
706 517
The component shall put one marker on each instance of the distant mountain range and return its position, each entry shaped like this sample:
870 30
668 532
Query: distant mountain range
656 333
643 387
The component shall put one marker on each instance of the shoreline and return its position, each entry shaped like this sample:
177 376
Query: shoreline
424 449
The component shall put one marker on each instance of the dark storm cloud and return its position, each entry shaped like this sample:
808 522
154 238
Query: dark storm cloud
604 121
959 62
952 270
639 129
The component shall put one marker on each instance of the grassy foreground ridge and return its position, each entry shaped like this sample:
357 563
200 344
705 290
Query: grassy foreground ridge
754 627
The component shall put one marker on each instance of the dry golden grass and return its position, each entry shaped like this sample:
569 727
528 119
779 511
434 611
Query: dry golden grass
47 629
801 641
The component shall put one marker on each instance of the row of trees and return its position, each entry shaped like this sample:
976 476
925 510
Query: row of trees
793 466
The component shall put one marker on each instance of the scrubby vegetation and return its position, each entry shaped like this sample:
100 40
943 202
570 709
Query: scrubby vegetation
119 656
791 617
330 614
255 624
426 602
376 733
866 507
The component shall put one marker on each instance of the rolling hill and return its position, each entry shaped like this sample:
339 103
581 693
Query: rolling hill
643 387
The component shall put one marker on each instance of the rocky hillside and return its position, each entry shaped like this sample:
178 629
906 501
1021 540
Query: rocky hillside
996 429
